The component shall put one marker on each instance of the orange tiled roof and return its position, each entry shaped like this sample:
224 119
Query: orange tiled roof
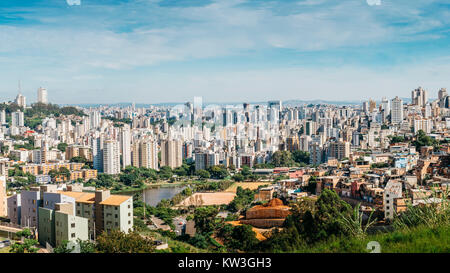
82 197
115 200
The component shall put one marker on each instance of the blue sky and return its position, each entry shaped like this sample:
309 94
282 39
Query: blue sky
151 51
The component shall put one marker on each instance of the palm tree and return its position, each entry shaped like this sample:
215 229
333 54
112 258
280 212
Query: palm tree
354 223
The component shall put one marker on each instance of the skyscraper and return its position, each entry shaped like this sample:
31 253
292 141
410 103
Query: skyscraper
385 106
125 146
396 110
171 153
148 154
17 119
42 95
2 117
97 153
419 97
21 100
3 211
111 157
198 109
94 119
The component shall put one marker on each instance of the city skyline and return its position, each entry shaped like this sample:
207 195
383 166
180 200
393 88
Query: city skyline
170 51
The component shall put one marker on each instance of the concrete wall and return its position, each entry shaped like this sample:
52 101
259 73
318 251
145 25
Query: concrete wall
119 217
14 209
70 228
30 202
46 229
86 210
50 199
3 202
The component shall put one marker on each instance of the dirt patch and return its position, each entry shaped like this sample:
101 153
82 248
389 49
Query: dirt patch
208 198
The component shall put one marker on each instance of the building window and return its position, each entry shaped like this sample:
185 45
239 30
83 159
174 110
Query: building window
73 235
73 225
115 216
115 208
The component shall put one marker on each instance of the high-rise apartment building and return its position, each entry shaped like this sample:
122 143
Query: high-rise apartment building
42 95
386 106
97 153
292 143
339 150
204 160
148 154
2 117
419 97
125 146
3 201
111 157
17 119
396 110
94 119
21 100
171 153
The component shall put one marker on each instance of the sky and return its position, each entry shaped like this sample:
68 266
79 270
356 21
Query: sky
155 51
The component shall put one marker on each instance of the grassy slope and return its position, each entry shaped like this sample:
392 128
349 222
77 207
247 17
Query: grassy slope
417 240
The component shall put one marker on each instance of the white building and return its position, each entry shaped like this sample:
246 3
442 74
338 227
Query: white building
125 146
111 157
396 110
17 119
392 190
42 95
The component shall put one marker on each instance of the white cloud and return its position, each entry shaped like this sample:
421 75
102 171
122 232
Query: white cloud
88 42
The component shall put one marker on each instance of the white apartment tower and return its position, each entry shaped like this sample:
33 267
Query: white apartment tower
2 117
94 119
42 95
17 119
21 100
396 110
125 146
111 157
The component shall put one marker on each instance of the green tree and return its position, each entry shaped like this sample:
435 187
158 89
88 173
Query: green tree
203 173
423 140
218 171
204 218
282 159
64 248
301 157
238 177
86 246
28 246
78 159
243 238
62 146
117 241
